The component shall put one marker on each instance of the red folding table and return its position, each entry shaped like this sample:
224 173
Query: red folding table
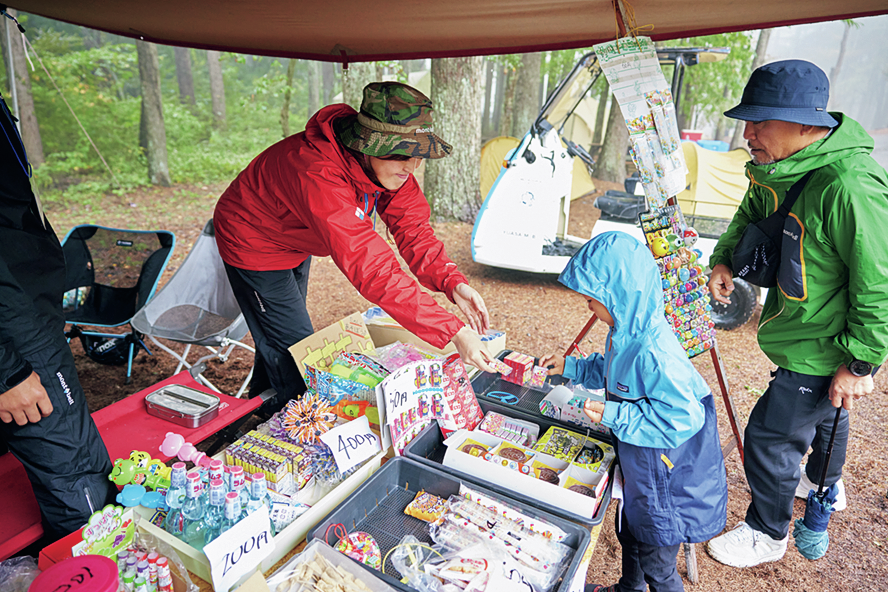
124 426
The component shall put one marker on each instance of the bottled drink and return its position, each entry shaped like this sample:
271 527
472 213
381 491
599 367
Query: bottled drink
215 510
175 497
193 512
238 482
216 470
259 497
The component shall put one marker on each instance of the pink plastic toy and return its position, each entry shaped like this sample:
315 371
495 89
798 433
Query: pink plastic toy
175 445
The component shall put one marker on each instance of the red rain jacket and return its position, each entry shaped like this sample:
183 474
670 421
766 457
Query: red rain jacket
306 195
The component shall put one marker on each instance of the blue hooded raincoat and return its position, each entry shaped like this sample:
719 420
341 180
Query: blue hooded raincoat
659 409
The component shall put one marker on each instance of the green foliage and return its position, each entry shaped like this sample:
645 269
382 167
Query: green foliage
102 86
713 88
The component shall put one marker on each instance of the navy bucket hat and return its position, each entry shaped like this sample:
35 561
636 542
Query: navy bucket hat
789 90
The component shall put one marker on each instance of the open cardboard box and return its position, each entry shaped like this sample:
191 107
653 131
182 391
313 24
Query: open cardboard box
196 561
510 478
385 330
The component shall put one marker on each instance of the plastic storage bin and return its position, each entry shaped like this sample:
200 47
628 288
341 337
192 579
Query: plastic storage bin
377 508
428 448
196 561
340 561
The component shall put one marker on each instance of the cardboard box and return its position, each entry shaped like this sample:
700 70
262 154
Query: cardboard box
196 561
507 479
320 349
385 330
566 405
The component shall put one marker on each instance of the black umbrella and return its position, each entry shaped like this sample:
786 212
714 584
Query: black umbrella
811 538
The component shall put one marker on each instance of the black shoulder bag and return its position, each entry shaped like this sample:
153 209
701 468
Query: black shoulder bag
756 257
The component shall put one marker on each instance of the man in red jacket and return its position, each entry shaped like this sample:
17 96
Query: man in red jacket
318 193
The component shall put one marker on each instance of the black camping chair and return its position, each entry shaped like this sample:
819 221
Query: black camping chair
111 274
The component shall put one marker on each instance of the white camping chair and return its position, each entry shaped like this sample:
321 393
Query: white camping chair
197 307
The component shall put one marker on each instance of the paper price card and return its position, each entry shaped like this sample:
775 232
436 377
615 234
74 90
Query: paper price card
413 396
351 443
240 550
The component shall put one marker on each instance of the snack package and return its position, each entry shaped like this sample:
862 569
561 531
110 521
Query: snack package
501 367
474 448
560 443
522 366
538 377
426 507
462 409
509 511
577 486
544 472
506 428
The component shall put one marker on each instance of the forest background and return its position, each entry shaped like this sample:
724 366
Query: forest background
159 115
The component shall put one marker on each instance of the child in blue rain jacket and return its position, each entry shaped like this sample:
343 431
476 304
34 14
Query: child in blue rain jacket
659 409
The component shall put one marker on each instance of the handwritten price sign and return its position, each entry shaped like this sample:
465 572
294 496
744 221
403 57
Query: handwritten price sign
351 443
240 550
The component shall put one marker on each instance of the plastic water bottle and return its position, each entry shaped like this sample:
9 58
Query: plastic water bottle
175 497
215 510
238 483
259 497
193 512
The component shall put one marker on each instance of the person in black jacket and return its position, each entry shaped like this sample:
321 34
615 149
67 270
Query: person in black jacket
44 419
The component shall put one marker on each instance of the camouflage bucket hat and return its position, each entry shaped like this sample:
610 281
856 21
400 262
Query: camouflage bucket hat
394 119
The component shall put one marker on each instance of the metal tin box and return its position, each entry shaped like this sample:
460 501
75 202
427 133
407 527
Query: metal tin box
182 405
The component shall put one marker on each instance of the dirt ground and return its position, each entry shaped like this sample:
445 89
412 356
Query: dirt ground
541 316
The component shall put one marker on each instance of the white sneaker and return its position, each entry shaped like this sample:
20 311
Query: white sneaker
744 547
805 486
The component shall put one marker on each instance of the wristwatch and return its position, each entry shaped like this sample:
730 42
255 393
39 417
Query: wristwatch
860 368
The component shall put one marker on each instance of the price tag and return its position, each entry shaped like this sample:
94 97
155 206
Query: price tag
351 443
240 550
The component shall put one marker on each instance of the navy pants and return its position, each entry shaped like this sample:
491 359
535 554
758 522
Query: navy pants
273 303
645 564
63 454
794 414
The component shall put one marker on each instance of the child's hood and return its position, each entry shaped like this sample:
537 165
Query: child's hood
618 270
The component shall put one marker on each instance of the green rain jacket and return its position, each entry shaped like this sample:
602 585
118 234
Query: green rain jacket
831 303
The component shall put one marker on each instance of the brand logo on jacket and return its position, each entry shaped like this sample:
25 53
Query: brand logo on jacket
65 388
622 387
359 213
791 235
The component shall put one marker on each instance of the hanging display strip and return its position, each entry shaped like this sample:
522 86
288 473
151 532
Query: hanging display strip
633 72
685 294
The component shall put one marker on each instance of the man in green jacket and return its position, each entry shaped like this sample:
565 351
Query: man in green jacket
825 325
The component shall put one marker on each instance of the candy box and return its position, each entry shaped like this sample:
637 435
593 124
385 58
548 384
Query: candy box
521 365
513 430
538 377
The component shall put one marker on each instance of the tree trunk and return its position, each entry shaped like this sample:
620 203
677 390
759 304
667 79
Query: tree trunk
720 129
29 128
601 111
152 114
612 158
328 74
761 53
183 75
285 110
486 116
354 79
453 184
527 93
91 38
217 88
498 99
314 87
508 114
837 69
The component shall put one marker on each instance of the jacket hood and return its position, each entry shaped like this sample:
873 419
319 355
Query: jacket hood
321 134
847 139
618 270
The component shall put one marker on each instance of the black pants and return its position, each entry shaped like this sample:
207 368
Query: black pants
645 564
273 303
63 454
794 413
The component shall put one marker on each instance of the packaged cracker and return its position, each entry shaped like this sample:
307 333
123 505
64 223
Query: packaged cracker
426 507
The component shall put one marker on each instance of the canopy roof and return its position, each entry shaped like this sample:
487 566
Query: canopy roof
372 30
